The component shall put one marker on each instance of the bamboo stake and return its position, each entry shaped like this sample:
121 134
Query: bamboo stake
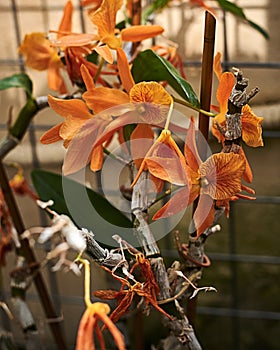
203 124
207 72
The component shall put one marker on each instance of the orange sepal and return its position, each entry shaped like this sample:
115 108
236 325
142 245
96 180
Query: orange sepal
251 127
248 174
161 156
141 32
105 20
104 52
102 98
217 67
124 70
51 135
224 91
141 141
66 21
190 149
204 214
96 159
74 108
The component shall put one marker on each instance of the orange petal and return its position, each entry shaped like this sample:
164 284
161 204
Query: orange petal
87 78
55 81
105 19
75 40
224 90
141 32
178 202
251 127
74 108
141 140
66 21
37 50
105 52
248 174
222 173
102 98
80 148
117 335
51 135
190 149
204 214
96 158
217 67
161 155
96 3
124 70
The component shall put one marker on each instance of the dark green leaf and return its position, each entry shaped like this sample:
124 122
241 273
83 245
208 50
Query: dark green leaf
87 208
258 28
127 131
148 66
155 5
238 11
232 8
121 25
20 80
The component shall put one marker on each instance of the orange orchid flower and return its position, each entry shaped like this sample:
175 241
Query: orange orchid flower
251 124
218 178
89 322
40 55
77 113
144 109
104 18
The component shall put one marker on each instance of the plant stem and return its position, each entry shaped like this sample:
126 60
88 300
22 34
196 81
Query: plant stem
187 104
168 118
99 69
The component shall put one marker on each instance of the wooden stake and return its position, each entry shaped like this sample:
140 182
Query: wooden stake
205 103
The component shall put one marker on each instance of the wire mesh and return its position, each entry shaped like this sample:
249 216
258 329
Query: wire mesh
20 17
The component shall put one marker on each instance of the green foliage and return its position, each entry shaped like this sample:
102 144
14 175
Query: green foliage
91 210
226 5
155 6
20 80
238 12
157 68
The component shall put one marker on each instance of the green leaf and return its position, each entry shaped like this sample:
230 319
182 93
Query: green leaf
87 208
20 80
238 12
148 66
258 28
155 5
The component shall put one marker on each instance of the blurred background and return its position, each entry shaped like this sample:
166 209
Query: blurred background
245 313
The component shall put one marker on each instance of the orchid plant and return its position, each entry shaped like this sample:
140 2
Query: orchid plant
122 111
